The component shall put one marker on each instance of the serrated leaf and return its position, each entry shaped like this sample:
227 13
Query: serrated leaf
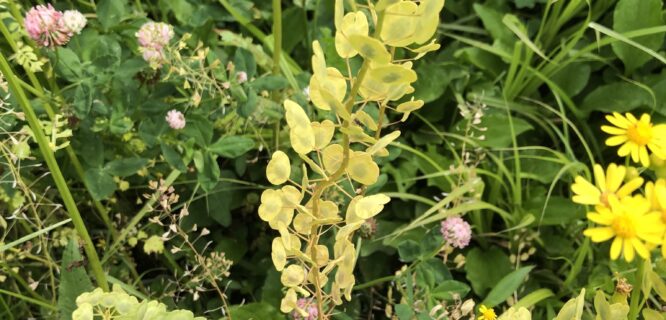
73 280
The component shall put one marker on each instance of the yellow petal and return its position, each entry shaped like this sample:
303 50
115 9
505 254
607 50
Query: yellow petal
616 248
303 223
335 84
614 130
278 254
323 133
289 301
370 206
271 204
599 234
362 169
599 176
400 22
279 168
628 250
353 23
293 275
604 219
383 142
629 187
302 139
332 158
370 48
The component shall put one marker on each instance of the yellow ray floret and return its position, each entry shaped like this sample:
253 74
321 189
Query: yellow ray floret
630 223
636 137
656 194
606 184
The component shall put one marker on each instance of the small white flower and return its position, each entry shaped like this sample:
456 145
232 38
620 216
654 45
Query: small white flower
176 119
74 21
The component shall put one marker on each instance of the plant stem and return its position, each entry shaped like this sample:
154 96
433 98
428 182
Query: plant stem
147 207
277 52
58 178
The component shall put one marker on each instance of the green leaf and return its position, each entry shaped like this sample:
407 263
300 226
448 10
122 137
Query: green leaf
208 172
492 21
232 146
573 78
409 250
68 64
249 105
616 97
111 12
269 83
73 280
404 312
82 100
99 183
632 15
172 157
573 309
125 167
181 9
294 27
448 289
479 274
507 286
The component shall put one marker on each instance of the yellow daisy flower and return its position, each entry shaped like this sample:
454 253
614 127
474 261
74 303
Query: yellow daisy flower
636 136
606 184
486 313
656 194
631 222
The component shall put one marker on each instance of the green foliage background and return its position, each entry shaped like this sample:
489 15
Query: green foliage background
545 72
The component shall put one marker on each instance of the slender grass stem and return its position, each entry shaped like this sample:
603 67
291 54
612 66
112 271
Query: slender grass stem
58 178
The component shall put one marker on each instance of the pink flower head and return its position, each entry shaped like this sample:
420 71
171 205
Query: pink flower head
154 35
456 232
72 21
176 119
241 76
43 26
153 56
309 306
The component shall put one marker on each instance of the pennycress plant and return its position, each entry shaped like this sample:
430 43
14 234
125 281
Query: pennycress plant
305 213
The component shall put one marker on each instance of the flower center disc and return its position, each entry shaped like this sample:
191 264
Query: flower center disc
624 227
640 133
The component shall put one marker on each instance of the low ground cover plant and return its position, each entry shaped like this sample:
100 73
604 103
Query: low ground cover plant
333 159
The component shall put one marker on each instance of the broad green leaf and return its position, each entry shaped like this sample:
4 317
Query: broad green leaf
173 157
208 171
232 146
573 78
99 183
125 167
69 65
73 279
616 97
480 276
507 286
632 15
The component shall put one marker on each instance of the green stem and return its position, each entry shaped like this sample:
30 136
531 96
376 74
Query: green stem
147 207
28 299
277 52
58 178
